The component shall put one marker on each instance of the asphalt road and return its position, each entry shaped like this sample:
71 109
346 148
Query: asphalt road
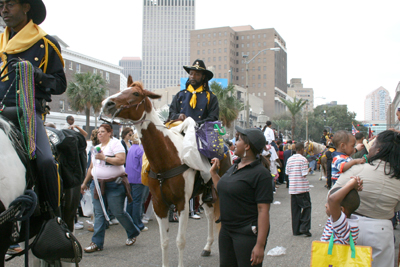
146 252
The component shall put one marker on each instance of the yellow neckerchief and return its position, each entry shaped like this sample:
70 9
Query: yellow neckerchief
193 100
22 41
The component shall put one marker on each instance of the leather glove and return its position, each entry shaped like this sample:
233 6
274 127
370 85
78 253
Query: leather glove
38 74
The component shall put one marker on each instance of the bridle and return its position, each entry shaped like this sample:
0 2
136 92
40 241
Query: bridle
115 119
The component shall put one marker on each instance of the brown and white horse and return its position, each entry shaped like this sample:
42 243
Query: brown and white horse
163 150
314 148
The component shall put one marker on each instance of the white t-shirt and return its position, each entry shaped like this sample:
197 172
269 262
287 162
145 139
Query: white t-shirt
274 166
269 135
104 171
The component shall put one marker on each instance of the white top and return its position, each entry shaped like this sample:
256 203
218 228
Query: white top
104 171
269 135
274 164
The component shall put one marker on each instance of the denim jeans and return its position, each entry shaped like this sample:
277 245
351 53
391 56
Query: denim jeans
312 165
115 195
135 208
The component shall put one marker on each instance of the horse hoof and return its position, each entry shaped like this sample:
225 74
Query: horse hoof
205 253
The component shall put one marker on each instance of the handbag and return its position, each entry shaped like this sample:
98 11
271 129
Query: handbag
325 254
56 243
209 139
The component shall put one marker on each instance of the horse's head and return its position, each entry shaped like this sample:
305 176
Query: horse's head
129 105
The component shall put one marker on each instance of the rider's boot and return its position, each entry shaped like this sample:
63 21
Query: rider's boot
207 193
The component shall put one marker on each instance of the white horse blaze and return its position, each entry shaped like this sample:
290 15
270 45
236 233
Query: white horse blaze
12 171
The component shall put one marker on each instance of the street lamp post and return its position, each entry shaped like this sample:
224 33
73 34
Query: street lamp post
247 81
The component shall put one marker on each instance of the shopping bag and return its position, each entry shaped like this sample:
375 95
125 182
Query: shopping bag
324 254
209 139
87 204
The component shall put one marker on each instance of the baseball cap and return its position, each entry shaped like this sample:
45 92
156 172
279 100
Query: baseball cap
255 136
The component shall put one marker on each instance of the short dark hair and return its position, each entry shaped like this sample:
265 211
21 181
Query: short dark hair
269 123
359 136
351 201
289 142
324 131
69 117
299 146
339 137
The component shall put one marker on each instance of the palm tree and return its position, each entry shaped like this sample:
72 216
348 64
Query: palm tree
86 91
294 108
229 105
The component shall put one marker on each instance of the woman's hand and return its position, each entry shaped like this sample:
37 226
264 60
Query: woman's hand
84 187
215 166
100 156
257 255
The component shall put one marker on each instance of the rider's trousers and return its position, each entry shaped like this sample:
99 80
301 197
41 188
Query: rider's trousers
49 181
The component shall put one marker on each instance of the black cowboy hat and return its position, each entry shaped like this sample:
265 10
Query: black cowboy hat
198 64
37 12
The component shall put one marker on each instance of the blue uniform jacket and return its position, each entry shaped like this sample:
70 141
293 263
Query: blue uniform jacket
52 82
203 111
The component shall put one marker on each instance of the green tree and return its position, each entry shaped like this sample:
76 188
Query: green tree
294 108
229 105
85 91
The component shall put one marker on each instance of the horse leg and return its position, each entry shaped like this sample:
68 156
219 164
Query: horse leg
163 225
209 211
181 237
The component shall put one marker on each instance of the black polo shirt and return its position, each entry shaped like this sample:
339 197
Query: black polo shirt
241 190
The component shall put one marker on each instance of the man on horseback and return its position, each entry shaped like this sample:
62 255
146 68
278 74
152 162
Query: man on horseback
24 39
197 102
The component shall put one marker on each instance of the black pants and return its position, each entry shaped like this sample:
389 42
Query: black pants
235 248
301 212
49 182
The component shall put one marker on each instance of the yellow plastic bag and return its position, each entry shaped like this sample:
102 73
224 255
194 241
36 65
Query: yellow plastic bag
324 254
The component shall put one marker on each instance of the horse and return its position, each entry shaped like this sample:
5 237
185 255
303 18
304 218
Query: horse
162 148
13 184
313 148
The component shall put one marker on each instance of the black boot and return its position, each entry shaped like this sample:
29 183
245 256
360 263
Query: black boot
207 193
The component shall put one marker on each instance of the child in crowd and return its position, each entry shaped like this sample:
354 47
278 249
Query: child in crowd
342 202
341 160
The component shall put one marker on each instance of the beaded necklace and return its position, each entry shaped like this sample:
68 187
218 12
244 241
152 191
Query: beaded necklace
25 98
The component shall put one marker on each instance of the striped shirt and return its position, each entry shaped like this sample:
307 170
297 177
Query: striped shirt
338 161
341 229
297 170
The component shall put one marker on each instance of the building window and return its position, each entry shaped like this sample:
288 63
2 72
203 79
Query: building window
95 71
78 68
71 65
265 93
108 77
198 52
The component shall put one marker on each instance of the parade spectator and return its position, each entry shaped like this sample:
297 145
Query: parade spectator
324 137
245 194
269 134
380 196
297 170
108 168
282 168
231 147
126 141
328 153
344 143
342 202
286 155
24 39
134 169
70 125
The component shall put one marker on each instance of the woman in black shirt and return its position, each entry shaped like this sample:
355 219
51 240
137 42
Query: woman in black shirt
245 194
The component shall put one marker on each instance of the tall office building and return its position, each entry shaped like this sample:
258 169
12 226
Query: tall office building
132 66
301 93
224 48
166 41
376 104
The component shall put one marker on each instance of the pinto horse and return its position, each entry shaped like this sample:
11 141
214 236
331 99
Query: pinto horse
13 183
162 148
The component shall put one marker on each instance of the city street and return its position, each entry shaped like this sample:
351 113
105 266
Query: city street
147 252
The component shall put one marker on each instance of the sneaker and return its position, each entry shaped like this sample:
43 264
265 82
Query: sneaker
130 241
146 217
114 222
195 216
145 229
145 221
90 222
81 223
92 248
78 226
12 251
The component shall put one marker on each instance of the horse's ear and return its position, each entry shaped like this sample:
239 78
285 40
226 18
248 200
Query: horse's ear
130 81
151 95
